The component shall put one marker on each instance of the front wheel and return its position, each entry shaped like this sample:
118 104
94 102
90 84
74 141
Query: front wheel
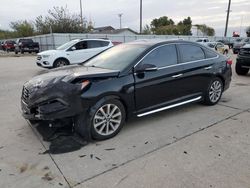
60 63
214 92
105 120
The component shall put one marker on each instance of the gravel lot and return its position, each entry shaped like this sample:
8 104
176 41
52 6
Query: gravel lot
191 146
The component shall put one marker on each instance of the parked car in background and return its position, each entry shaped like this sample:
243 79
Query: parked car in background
243 60
238 45
26 45
202 40
75 51
227 42
8 45
132 79
1 45
219 47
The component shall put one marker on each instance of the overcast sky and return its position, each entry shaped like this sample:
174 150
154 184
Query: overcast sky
104 12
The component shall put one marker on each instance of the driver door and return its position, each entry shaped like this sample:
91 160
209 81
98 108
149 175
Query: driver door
78 52
155 89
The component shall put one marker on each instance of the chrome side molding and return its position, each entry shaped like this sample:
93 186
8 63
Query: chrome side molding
170 106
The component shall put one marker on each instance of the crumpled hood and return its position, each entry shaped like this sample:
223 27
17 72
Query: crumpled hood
68 74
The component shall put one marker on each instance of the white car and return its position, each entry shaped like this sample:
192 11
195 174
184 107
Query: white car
73 52
202 40
219 47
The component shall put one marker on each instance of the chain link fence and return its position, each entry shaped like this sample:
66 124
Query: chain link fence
53 40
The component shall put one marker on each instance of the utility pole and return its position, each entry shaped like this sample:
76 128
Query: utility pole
241 24
81 13
228 12
140 16
120 17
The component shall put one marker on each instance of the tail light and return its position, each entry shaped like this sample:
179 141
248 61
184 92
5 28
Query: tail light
229 61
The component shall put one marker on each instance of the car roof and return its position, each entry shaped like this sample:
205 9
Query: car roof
156 42
77 40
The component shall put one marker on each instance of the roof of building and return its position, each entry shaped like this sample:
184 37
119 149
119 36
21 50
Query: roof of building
105 30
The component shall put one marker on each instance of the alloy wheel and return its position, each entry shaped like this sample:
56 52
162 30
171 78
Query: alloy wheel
61 63
107 119
215 91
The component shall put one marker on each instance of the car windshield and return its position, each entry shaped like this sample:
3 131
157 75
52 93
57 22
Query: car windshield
66 45
118 57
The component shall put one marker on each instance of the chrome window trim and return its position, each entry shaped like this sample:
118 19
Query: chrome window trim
178 64
170 106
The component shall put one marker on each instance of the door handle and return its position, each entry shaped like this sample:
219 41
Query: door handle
207 68
177 75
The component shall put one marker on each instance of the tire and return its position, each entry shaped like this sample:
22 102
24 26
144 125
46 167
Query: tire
98 123
240 70
213 92
60 63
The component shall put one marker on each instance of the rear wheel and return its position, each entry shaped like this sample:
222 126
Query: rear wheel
214 92
60 63
241 70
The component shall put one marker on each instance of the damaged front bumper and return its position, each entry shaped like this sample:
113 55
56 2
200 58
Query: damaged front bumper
55 102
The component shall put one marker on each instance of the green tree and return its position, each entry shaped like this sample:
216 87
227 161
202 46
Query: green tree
160 25
23 28
206 30
146 30
166 26
59 20
248 31
184 27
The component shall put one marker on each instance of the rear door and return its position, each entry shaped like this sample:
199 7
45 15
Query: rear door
155 89
198 68
96 46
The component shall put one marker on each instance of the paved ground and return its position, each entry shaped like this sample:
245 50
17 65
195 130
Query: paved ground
191 146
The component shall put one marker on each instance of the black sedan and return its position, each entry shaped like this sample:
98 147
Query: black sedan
128 80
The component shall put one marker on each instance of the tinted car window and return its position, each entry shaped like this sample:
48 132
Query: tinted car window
209 53
97 44
104 43
191 53
162 56
94 44
81 45
26 40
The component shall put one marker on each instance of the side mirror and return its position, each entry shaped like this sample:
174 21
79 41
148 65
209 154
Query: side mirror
73 48
145 68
